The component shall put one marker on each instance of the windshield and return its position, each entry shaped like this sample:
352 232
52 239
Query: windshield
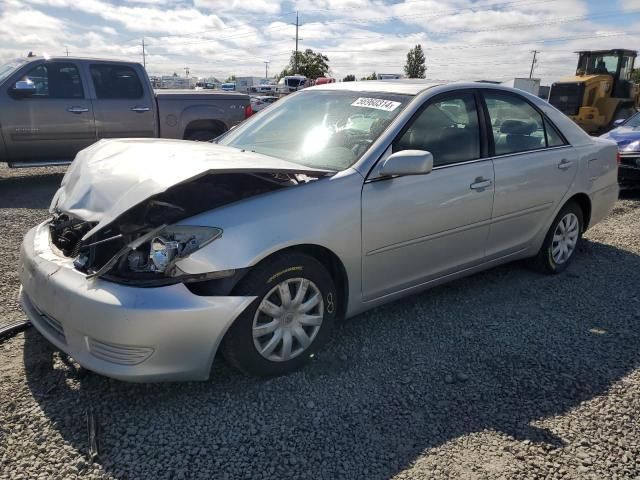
319 129
8 68
599 64
633 122
295 82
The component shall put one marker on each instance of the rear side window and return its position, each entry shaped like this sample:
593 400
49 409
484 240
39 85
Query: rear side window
56 80
516 125
116 82
554 139
447 128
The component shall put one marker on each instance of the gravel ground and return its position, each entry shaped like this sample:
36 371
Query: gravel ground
506 374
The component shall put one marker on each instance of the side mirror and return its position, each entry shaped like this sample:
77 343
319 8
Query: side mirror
407 162
618 122
23 88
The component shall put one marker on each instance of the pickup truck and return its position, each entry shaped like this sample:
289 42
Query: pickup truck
51 108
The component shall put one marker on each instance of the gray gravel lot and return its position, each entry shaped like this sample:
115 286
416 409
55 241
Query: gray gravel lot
506 374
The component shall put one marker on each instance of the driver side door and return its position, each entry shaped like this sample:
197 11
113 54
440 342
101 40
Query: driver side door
421 227
54 123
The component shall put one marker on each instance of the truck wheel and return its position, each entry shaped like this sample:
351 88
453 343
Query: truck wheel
202 135
290 319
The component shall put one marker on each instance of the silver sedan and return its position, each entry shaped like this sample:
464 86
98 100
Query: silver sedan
338 198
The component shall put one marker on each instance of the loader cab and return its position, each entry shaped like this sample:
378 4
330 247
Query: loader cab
617 63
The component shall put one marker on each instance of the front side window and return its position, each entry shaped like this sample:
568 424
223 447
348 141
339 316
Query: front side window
319 129
446 128
516 125
56 80
116 82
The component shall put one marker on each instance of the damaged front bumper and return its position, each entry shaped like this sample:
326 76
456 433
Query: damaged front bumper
128 333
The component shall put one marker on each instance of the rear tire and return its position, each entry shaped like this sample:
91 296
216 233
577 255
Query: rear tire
562 240
275 336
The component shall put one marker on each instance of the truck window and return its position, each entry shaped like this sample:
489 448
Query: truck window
116 82
56 80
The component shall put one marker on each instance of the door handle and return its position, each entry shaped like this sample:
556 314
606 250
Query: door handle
480 184
564 164
77 109
140 109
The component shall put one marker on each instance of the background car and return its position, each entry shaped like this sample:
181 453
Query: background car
627 136
260 102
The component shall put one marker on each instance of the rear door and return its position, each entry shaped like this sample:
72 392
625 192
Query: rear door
124 104
534 168
54 123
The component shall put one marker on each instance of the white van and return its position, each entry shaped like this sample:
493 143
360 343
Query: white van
292 83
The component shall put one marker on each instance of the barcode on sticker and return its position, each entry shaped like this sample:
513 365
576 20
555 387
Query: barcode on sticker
377 103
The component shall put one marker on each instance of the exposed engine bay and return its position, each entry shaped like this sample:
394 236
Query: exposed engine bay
142 245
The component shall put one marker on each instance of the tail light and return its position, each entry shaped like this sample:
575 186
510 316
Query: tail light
618 158
248 111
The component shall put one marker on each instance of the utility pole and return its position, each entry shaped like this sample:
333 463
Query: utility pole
533 61
67 50
266 69
144 55
295 63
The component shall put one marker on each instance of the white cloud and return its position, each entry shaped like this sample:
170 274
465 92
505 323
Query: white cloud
262 6
462 39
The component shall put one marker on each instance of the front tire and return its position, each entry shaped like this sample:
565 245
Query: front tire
562 240
290 319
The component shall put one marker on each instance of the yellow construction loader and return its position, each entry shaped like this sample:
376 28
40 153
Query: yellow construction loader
601 92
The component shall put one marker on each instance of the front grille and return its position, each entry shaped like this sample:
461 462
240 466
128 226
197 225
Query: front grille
630 160
54 327
567 97
120 354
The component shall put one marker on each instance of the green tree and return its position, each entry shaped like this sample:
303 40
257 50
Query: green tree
230 78
415 66
349 78
635 75
373 76
310 64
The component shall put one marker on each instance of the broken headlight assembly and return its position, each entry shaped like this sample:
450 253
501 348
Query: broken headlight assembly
151 258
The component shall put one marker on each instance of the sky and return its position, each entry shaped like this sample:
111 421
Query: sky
462 39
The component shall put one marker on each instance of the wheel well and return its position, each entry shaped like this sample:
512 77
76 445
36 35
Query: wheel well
208 125
584 202
333 265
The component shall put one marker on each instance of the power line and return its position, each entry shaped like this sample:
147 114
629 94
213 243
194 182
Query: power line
488 8
438 32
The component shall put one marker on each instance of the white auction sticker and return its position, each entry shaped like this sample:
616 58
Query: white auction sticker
377 103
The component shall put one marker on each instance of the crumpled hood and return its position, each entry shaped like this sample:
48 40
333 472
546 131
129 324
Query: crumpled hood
112 176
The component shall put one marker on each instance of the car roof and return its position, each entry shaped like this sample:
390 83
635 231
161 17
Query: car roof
410 87
77 59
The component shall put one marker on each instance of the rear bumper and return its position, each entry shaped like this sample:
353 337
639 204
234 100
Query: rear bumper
128 333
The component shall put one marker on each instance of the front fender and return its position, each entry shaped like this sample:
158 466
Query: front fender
324 212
